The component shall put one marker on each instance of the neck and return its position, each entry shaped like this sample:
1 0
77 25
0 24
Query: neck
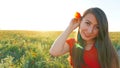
89 44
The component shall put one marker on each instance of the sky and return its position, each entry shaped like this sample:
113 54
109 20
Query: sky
49 15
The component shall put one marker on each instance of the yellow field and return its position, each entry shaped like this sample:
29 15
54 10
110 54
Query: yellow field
30 49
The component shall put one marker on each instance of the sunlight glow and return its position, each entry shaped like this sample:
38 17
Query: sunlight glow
50 14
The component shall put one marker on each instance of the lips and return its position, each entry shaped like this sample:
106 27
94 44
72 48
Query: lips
86 35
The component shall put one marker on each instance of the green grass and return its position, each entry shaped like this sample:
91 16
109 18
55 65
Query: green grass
30 49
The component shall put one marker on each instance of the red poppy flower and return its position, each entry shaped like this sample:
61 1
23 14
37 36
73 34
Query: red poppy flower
77 15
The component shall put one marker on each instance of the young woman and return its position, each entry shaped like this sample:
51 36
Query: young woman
93 47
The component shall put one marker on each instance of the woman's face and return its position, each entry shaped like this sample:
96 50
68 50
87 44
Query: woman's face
89 27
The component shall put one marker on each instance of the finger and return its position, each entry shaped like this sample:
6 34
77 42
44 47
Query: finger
74 20
79 20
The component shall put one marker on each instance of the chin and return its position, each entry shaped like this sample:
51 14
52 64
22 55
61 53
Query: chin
86 38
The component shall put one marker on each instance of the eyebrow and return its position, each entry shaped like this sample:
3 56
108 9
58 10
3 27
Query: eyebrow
91 22
88 21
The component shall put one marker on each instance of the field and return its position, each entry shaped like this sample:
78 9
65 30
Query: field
30 49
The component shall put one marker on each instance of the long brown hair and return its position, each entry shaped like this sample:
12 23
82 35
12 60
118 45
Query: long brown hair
107 55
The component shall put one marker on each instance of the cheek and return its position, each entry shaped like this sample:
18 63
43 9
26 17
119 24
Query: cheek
83 27
95 33
82 30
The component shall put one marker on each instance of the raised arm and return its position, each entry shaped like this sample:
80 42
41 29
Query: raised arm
60 46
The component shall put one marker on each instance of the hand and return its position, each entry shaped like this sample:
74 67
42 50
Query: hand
74 23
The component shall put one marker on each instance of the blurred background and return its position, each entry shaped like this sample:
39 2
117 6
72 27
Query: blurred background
48 15
28 28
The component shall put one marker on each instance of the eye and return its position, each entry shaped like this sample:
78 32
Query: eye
87 23
96 27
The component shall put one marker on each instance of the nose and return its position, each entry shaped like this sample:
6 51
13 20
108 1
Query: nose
90 30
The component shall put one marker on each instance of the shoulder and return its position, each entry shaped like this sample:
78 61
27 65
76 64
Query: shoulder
71 42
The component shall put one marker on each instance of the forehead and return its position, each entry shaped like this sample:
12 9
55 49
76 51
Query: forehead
91 18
